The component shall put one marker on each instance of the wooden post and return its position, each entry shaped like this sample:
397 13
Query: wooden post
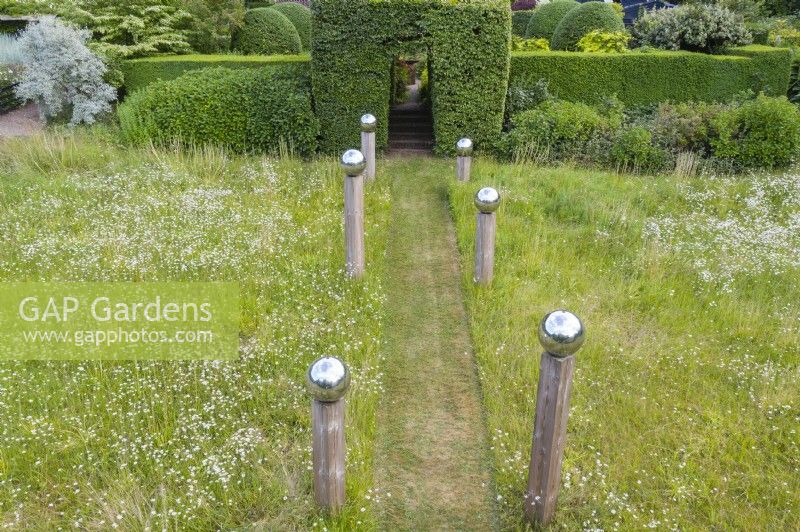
328 379
353 164
561 333
463 159
487 200
368 125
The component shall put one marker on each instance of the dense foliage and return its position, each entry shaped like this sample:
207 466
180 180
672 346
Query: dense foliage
244 109
300 17
61 74
582 20
695 27
519 22
518 44
641 78
545 18
266 31
603 41
761 132
354 43
139 73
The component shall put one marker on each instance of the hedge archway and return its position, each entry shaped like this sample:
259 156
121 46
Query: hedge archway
353 45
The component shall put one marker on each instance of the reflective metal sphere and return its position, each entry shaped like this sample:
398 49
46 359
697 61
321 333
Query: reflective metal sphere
328 379
353 162
487 200
464 147
561 333
368 123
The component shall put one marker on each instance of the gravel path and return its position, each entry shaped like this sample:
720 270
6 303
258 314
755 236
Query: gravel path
21 122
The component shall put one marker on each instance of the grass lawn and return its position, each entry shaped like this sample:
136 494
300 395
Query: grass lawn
686 404
198 445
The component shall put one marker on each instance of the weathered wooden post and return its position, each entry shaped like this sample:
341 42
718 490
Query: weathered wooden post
487 200
368 125
464 159
328 379
353 164
561 333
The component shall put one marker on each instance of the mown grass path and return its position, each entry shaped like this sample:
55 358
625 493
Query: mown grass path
431 451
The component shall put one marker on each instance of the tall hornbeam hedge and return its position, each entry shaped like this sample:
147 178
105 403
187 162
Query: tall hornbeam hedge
353 45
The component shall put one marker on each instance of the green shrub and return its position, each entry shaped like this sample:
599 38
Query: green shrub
693 27
583 19
782 33
554 124
519 22
764 132
643 78
604 42
300 17
139 73
519 44
266 31
521 99
686 126
633 150
353 47
244 110
546 17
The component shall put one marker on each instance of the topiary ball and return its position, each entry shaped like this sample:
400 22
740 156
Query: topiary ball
545 18
583 19
266 31
300 17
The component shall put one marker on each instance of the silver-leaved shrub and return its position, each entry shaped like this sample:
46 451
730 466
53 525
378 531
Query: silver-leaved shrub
61 74
706 28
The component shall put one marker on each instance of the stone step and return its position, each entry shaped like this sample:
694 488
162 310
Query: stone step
397 144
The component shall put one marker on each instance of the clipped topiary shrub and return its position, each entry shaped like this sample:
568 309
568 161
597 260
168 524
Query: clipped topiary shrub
545 18
582 20
519 22
266 31
244 110
764 132
300 17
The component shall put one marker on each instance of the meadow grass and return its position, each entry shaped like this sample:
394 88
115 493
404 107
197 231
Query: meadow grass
188 445
686 405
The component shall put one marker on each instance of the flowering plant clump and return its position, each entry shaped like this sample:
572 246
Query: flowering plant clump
62 73
604 41
694 27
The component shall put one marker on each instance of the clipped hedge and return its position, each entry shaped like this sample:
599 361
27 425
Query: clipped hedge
643 78
582 20
266 31
139 73
300 17
354 42
545 18
244 110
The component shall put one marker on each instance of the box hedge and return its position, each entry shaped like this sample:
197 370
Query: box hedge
638 78
244 110
355 41
139 73
519 22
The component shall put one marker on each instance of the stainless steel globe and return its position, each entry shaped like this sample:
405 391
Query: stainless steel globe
353 162
328 379
464 147
368 123
561 333
487 200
